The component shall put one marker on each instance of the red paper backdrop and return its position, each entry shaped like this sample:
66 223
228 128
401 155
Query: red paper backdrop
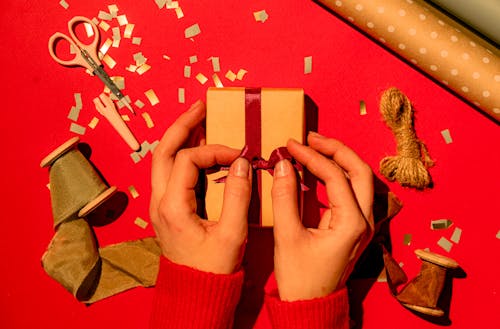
37 95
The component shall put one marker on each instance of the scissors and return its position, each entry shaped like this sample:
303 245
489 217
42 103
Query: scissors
87 56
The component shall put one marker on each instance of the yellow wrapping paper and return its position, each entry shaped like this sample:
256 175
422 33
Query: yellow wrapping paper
433 42
282 117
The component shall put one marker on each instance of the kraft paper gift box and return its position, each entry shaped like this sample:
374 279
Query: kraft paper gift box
261 119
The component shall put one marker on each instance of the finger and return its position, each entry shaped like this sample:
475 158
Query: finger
359 172
173 139
287 222
237 193
338 191
180 191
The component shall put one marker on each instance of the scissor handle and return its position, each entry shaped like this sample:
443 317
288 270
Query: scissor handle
90 48
78 60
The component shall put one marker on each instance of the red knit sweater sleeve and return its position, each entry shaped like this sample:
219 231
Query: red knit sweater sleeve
190 299
330 312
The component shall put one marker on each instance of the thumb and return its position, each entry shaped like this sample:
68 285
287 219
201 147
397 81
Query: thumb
285 206
237 193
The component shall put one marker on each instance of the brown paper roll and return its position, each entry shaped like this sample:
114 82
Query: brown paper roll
433 42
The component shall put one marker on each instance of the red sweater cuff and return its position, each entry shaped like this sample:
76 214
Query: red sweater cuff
187 298
331 311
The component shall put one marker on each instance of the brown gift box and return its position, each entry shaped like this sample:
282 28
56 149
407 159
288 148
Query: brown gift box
281 114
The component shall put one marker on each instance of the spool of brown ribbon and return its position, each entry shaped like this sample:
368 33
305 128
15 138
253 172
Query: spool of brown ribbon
422 294
73 257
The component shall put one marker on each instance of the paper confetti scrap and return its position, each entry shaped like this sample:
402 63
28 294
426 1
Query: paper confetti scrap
93 123
89 30
179 13
125 117
362 107
133 191
122 20
440 224
147 118
153 99
105 46
78 100
241 73
217 81
161 3
187 71
230 75
104 26
110 62
166 57
407 239
74 113
77 129
141 222
457 234
139 104
201 78
143 69
172 4
119 82
193 59
181 95
260 16
447 136
146 147
215 63
113 10
127 33
136 41
139 59
445 244
498 234
192 31
307 64
64 4
104 16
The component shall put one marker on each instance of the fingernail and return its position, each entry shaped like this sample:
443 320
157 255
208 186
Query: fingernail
315 134
240 167
194 106
281 169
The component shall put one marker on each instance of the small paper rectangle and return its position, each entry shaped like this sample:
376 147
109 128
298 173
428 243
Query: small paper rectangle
362 108
133 191
166 57
407 239
447 136
127 33
104 15
119 82
136 40
89 30
153 99
192 31
201 78
172 4
139 59
217 81
440 224
215 63
160 3
77 129
457 234
105 46
230 75
113 10
193 59
139 104
104 26
445 244
110 62
116 43
74 113
93 123
116 33
307 64
122 20
179 13
135 157
241 73
147 118
131 68
143 69
260 16
141 222
125 117
187 71
498 234
181 95
78 100
64 4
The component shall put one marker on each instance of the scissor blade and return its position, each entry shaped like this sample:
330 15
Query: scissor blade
112 87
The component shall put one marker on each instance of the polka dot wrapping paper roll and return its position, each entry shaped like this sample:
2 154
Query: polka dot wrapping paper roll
433 42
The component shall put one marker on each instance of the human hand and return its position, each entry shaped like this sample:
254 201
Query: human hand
184 237
311 263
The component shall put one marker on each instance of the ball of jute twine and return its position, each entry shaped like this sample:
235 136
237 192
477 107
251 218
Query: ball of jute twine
409 166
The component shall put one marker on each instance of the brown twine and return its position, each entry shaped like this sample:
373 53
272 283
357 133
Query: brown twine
409 166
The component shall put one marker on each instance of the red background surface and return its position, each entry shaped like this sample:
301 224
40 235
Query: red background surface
37 95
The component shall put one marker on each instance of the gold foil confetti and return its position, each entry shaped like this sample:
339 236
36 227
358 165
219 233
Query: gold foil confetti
127 33
147 118
187 71
141 223
143 69
181 95
105 46
104 15
135 157
166 57
139 104
447 136
95 21
307 64
104 26
153 99
445 244
88 29
125 117
119 82
172 4
193 59
113 10
498 234
93 123
457 234
73 49
154 145
192 31
217 81
78 100
139 59
161 3
110 62
131 68
116 43
201 78
230 75
145 148
440 224
215 63
136 40
122 20
260 16
133 191
241 73
362 108
407 239
74 113
179 13
64 4
77 129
